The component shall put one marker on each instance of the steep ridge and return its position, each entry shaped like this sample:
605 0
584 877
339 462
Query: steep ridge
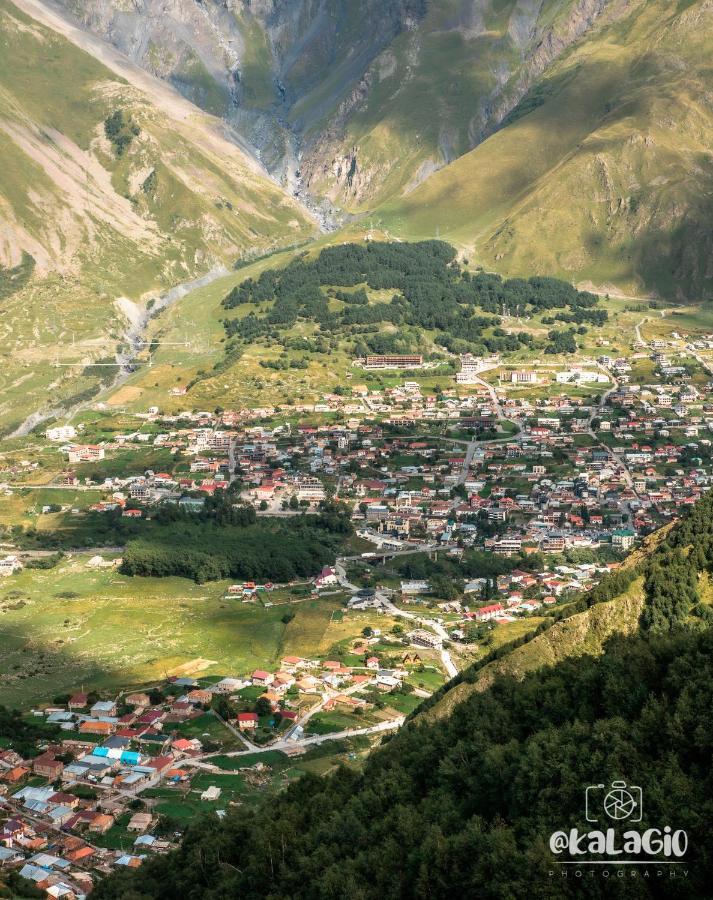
584 633
112 189
602 172
437 91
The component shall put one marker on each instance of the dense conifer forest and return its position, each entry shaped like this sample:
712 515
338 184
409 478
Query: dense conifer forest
429 290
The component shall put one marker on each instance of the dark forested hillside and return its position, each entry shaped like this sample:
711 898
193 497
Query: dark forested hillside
429 290
465 807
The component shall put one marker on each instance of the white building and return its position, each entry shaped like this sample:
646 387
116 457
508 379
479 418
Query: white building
87 453
422 638
415 587
311 489
9 565
581 376
61 433
469 368
524 376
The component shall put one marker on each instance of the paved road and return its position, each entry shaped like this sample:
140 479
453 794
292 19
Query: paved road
469 454
603 400
495 400
240 735
446 658
286 745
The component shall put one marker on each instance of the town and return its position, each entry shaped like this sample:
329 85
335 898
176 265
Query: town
113 781
476 509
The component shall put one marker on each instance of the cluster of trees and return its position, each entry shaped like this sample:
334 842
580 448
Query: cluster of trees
672 573
473 564
671 587
431 291
111 529
120 130
223 539
464 806
562 341
22 734
227 542
283 363
15 278
261 552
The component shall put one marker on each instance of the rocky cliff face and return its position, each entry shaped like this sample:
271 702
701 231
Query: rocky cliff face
269 67
438 90
352 102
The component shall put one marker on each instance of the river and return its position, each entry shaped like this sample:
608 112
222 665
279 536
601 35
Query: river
133 341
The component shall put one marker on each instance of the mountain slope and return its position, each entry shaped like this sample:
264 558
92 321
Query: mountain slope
603 172
114 189
466 807
613 609
566 137
584 634
338 90
269 68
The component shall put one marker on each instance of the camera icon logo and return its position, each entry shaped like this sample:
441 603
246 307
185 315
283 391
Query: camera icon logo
618 802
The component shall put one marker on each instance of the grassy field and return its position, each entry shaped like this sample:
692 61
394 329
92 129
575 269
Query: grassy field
184 802
24 505
209 728
74 625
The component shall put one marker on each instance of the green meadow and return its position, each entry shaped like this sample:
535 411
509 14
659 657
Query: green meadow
75 625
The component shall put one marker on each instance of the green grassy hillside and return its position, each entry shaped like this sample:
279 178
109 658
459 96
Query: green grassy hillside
583 634
112 193
436 91
602 173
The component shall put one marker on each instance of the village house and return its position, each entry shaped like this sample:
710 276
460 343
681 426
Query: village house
138 699
77 701
247 721
140 821
47 766
486 613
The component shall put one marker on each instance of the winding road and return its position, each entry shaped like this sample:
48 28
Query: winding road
446 659
202 762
